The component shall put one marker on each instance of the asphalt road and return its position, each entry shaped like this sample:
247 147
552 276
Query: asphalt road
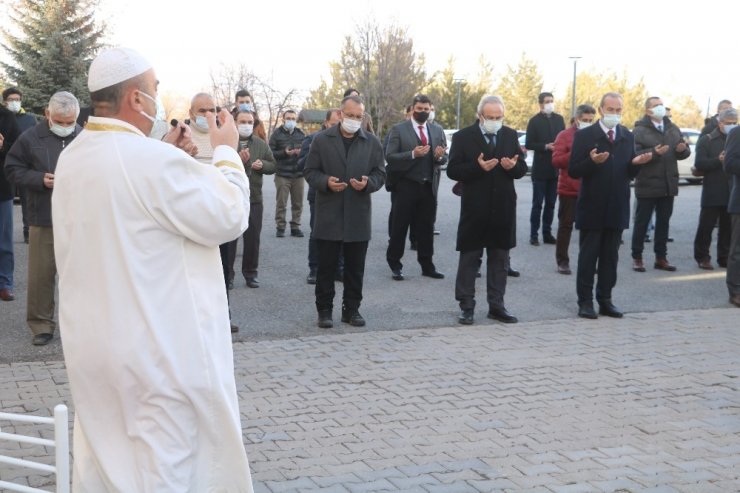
283 307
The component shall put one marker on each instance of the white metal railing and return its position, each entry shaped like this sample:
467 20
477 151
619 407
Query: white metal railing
60 444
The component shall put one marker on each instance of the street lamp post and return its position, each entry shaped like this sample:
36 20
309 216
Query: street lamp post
573 98
457 120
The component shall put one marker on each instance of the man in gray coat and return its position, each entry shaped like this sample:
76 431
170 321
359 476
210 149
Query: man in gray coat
732 168
345 165
657 184
415 153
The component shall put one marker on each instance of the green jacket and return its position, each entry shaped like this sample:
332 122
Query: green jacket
258 149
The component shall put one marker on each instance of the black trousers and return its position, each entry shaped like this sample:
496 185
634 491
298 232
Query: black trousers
313 249
708 217
413 202
497 265
598 256
733 259
663 207
354 272
251 237
543 191
566 218
228 256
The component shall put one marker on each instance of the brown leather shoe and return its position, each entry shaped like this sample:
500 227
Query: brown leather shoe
637 265
706 265
735 300
564 269
6 294
662 263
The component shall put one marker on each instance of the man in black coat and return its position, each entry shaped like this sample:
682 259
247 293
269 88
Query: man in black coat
603 156
415 153
8 134
486 158
712 123
732 168
715 193
541 132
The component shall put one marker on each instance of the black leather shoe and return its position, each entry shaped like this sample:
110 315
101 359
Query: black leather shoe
353 318
513 273
478 275
42 339
534 241
297 233
412 246
434 274
502 315
325 321
586 310
252 282
436 232
234 328
311 279
397 275
608 309
466 317
230 284
549 239
280 233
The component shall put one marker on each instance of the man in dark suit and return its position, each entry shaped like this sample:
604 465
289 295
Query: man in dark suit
486 158
344 165
541 132
732 168
604 158
415 153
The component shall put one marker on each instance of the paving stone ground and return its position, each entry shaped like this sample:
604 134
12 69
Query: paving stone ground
649 403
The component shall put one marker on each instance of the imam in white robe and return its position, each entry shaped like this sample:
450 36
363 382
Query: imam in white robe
143 315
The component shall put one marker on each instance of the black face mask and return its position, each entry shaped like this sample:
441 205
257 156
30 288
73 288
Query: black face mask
421 116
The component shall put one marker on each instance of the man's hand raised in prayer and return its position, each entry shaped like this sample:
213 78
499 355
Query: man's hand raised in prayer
227 134
598 157
181 137
509 162
487 165
643 158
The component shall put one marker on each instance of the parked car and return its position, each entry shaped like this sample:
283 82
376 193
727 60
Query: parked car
691 136
529 154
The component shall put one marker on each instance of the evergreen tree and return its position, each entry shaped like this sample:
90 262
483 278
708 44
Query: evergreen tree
58 40
519 89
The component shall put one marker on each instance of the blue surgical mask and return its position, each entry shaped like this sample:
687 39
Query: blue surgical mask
611 120
728 128
201 123
582 124
245 107
658 112
289 125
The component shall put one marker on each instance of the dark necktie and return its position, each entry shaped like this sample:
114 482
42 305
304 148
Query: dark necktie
660 128
422 135
610 134
491 140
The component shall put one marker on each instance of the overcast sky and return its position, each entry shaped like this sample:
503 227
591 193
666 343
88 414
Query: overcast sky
678 48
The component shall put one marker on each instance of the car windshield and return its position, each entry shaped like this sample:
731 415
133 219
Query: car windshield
691 137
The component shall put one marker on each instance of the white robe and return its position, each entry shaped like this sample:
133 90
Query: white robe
143 313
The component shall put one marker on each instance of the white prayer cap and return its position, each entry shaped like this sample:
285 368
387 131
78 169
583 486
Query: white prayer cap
114 66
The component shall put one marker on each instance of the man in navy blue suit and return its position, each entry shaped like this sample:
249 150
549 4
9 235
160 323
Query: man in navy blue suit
604 157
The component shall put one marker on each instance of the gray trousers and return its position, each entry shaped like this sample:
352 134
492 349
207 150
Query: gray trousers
497 264
733 260
42 271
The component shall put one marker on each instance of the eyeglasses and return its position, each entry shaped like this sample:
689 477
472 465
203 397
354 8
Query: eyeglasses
353 117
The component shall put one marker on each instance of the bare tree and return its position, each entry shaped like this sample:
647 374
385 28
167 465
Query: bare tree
229 79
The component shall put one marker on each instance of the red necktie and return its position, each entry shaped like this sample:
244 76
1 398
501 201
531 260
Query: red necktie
422 135
610 133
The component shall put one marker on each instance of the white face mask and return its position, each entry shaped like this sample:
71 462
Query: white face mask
728 128
245 130
61 131
351 126
14 106
289 125
658 112
583 124
156 126
611 120
432 114
548 108
492 126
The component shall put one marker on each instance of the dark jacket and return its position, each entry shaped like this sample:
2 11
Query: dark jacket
399 149
659 177
542 130
305 147
732 168
715 188
287 166
25 121
710 125
10 132
344 216
488 204
34 154
567 186
258 149
604 197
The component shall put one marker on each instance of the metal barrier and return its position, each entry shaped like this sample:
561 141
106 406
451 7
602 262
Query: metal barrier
60 444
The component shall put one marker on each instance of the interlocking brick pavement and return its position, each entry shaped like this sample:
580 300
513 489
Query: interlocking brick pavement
646 403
